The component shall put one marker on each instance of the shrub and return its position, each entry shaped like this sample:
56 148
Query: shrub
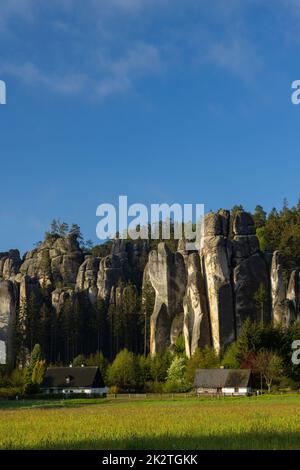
176 379
10 393
124 371
154 387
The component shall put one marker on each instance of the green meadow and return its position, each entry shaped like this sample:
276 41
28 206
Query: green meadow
267 422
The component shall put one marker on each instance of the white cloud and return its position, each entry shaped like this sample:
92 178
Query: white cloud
237 56
121 73
105 47
70 83
20 9
111 77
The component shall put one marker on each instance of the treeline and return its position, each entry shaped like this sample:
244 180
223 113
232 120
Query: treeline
280 230
83 328
266 350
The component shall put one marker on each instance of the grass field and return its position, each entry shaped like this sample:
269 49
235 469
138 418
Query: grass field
268 422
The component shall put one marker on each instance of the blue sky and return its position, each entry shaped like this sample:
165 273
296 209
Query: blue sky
183 101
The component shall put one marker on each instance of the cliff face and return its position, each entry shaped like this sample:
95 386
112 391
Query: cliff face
205 296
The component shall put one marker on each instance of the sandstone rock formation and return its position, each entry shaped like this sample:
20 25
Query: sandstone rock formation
292 295
205 296
250 274
278 291
8 301
56 260
9 265
60 296
216 263
166 273
113 268
196 319
87 277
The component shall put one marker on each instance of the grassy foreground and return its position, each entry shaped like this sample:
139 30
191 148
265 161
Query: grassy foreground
268 422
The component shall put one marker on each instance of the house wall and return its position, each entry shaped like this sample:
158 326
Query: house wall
212 391
68 391
231 391
224 391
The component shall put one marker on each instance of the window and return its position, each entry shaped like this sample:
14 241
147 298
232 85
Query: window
236 390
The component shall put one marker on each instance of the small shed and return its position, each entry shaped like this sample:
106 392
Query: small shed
70 380
223 382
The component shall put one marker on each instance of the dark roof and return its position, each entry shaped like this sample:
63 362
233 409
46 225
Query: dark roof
219 378
70 377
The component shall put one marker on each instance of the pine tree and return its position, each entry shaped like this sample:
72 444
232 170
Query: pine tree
29 385
259 216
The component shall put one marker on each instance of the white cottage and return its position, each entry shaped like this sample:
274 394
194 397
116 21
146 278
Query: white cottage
231 382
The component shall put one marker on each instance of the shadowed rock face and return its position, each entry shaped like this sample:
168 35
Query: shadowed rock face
196 319
110 271
215 257
60 296
113 268
278 291
87 277
250 273
292 296
166 273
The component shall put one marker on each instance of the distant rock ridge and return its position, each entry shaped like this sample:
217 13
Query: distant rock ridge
205 296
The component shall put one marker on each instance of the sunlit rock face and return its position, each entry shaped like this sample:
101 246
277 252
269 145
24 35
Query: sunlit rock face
166 273
278 291
196 319
9 265
8 302
56 260
216 263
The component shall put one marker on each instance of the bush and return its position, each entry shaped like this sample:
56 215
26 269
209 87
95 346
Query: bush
114 390
10 393
124 371
176 378
154 387
176 386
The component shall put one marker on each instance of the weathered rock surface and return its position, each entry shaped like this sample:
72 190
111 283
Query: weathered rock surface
250 274
87 277
110 272
55 260
60 296
196 319
112 269
8 302
278 290
9 265
292 296
166 273
216 266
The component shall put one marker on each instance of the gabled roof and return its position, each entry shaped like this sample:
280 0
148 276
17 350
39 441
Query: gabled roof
222 378
72 377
